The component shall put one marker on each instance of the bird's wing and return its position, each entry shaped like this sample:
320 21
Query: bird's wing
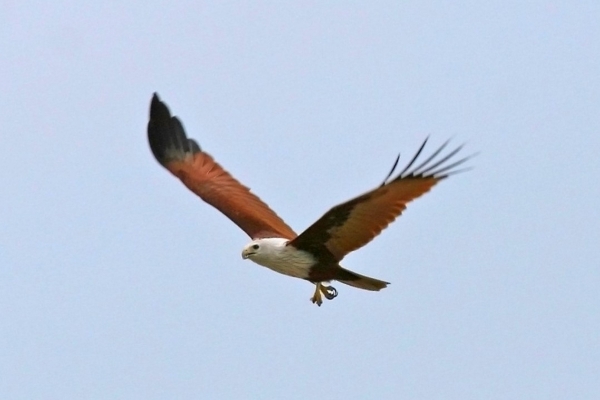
203 176
351 225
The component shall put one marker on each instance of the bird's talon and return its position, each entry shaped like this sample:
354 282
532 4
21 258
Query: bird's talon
330 292
316 301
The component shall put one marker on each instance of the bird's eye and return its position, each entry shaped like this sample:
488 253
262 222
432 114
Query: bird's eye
255 247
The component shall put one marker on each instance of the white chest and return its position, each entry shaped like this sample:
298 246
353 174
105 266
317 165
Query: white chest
275 255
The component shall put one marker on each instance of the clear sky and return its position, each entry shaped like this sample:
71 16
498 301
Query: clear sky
118 283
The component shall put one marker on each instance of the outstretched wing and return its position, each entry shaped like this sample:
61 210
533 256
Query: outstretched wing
203 176
351 225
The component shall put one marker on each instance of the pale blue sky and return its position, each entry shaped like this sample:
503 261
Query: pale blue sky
118 283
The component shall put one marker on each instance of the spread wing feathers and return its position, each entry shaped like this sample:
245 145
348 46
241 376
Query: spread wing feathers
351 225
203 176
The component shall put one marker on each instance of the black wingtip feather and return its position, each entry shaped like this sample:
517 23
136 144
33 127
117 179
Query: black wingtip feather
166 134
391 171
415 157
435 166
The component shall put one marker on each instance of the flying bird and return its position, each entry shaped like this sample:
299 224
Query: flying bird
316 253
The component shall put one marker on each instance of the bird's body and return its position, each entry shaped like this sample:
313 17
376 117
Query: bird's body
316 253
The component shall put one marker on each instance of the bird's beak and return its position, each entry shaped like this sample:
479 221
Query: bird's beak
245 253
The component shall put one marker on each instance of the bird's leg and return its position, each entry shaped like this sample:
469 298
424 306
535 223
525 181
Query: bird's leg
317 299
328 291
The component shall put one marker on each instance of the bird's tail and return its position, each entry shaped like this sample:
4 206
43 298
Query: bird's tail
359 281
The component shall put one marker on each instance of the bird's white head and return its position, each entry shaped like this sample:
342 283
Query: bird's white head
261 249
251 249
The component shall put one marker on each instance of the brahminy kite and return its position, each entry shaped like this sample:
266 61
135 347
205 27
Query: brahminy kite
315 254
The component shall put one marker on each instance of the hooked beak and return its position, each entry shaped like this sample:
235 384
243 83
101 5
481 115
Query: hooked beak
246 253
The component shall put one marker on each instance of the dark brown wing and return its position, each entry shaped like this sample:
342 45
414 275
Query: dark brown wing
203 176
351 225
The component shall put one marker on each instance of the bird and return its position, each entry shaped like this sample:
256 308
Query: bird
315 254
